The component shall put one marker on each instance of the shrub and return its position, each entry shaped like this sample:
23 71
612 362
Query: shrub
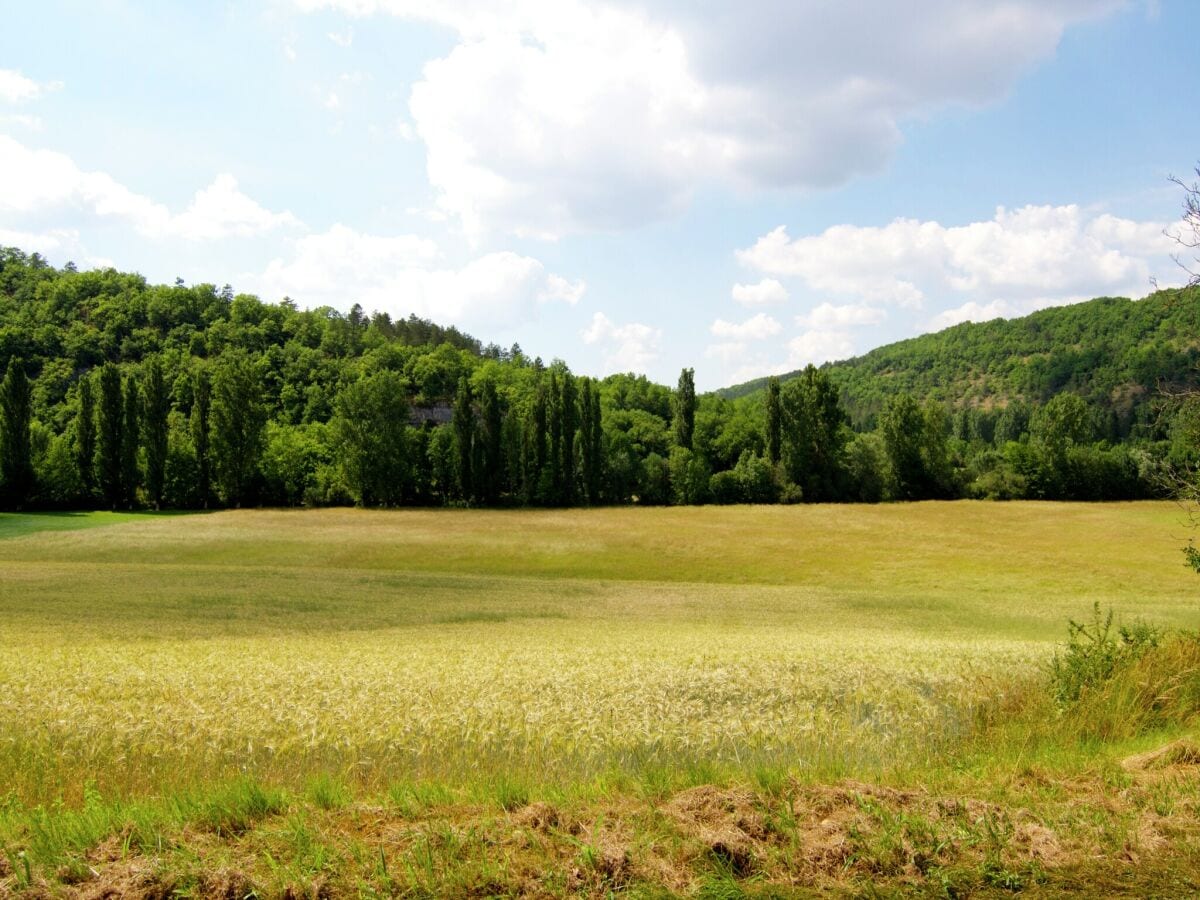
1095 653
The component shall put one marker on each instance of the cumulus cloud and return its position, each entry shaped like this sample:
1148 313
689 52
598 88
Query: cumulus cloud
1037 253
755 328
762 293
631 347
222 210
828 315
818 346
401 275
553 116
16 88
40 185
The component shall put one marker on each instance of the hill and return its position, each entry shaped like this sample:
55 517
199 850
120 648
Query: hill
1111 351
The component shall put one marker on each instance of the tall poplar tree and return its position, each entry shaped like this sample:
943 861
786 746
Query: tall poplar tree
539 439
685 409
464 435
554 421
110 436
774 420
491 424
157 407
16 454
569 406
130 434
85 437
586 448
200 427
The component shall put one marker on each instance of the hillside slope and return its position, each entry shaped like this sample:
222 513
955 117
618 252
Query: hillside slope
1112 351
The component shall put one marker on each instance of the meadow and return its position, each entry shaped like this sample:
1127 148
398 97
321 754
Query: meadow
486 659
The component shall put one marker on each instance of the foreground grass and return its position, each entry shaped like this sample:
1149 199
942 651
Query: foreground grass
385 701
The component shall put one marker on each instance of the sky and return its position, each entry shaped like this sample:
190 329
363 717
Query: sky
628 185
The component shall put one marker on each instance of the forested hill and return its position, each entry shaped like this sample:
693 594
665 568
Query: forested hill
121 394
1113 352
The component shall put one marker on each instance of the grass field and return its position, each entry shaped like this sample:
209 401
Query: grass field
309 661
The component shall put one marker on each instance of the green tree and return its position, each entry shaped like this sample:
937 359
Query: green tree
813 435
156 410
371 434
16 452
569 412
110 435
551 482
85 438
464 434
914 439
238 419
491 426
685 409
130 432
774 421
200 428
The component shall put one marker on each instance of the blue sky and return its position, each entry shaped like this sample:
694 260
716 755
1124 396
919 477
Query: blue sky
626 184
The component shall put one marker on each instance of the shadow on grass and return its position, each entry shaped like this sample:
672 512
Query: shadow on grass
14 525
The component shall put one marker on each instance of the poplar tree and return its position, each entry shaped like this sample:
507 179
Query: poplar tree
597 441
129 444
586 448
157 407
85 437
110 435
554 419
570 428
492 423
16 456
464 434
539 440
685 409
774 420
200 429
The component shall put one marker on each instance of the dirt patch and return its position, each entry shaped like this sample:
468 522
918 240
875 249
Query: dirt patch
133 877
1037 842
537 816
225 884
727 821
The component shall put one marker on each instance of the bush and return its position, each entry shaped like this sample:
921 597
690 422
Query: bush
1095 653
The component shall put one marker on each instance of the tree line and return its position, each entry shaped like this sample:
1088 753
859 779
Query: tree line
119 394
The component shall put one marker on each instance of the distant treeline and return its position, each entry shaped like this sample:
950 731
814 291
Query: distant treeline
120 394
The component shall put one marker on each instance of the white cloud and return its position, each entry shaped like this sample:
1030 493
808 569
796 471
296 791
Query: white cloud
827 315
399 275
40 185
627 348
221 210
1044 253
755 328
342 38
818 346
16 88
23 120
762 293
560 289
553 116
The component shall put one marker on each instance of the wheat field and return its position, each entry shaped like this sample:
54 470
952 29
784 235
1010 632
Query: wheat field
145 654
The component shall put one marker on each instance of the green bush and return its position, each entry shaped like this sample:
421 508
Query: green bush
1095 652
